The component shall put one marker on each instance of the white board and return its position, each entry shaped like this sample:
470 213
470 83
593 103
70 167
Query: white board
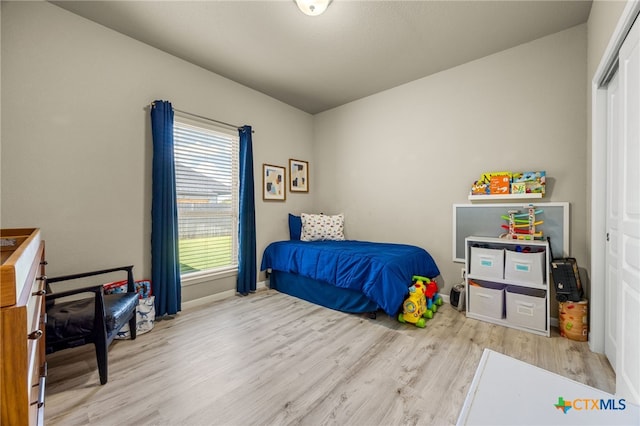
484 220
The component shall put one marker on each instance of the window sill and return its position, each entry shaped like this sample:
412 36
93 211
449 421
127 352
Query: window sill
201 277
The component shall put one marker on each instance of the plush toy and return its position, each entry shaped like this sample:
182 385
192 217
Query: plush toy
413 309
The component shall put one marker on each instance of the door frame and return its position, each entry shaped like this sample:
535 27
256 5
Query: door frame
599 175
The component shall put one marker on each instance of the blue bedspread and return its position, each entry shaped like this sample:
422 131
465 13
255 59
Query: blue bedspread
382 271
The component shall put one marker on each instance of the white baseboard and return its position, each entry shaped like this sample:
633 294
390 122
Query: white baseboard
217 297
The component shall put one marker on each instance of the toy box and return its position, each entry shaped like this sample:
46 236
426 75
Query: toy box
526 307
525 267
487 263
486 298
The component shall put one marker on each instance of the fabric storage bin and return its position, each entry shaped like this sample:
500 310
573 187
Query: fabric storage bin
487 263
526 268
526 307
145 318
486 298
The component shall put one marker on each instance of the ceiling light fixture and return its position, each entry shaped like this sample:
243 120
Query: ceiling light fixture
313 7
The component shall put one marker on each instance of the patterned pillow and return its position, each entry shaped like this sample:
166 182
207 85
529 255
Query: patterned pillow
319 227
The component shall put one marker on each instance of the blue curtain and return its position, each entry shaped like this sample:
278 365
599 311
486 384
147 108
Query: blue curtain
165 265
247 227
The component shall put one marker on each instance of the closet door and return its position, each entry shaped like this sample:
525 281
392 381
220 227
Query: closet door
628 343
612 222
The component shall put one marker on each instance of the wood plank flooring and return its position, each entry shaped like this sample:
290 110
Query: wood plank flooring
272 359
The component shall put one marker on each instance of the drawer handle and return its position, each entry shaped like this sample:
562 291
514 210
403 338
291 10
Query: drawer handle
41 385
43 379
39 292
42 277
44 263
35 335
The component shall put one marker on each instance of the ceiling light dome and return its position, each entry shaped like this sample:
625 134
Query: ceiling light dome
313 7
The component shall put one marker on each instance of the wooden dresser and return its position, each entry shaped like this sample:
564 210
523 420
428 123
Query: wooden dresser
22 326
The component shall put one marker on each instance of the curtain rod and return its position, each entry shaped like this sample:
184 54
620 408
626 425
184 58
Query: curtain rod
205 118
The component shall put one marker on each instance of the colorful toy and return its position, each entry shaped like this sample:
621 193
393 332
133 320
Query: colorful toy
421 289
520 228
422 303
432 297
412 308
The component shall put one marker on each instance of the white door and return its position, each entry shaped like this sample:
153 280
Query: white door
628 338
612 215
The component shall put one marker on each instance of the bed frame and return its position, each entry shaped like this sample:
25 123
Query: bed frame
321 293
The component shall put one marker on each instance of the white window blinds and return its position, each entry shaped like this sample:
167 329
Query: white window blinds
206 165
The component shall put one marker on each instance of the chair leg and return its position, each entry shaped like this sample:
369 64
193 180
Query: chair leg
133 326
102 357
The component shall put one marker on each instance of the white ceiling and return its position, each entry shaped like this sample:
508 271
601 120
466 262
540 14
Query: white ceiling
355 49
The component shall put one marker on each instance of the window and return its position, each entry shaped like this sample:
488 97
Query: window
206 164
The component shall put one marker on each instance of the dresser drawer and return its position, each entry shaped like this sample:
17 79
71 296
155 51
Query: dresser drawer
19 248
36 399
35 303
36 326
22 339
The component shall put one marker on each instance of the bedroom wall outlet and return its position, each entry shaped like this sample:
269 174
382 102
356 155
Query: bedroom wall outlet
463 273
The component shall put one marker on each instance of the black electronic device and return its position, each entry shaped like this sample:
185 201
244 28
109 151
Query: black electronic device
566 278
457 297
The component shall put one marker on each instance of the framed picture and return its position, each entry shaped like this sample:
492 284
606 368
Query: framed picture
273 182
298 175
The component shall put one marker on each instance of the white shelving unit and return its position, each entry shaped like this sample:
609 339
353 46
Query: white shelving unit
529 196
523 302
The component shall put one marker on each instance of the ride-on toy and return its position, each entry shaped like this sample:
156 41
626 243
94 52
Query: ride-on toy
432 297
413 308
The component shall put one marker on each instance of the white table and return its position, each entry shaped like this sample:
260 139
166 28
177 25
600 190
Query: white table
506 391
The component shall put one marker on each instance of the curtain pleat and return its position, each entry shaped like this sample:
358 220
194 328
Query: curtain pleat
247 226
165 265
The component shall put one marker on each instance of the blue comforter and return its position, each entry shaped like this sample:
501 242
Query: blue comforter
382 271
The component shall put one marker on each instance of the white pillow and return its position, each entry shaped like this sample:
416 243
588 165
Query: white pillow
319 227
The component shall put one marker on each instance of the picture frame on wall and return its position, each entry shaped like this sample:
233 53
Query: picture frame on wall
273 183
298 175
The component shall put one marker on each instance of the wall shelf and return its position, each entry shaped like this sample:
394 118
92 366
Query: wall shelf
529 196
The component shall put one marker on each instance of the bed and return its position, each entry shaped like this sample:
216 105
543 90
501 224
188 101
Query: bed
346 275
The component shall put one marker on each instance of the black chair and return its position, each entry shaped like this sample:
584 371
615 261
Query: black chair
94 319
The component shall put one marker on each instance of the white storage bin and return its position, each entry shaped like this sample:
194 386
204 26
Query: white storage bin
486 298
526 307
487 263
526 268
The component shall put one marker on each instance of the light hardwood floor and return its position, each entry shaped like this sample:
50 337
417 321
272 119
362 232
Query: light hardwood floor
272 359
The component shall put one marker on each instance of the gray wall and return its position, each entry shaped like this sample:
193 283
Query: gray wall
76 143
395 162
